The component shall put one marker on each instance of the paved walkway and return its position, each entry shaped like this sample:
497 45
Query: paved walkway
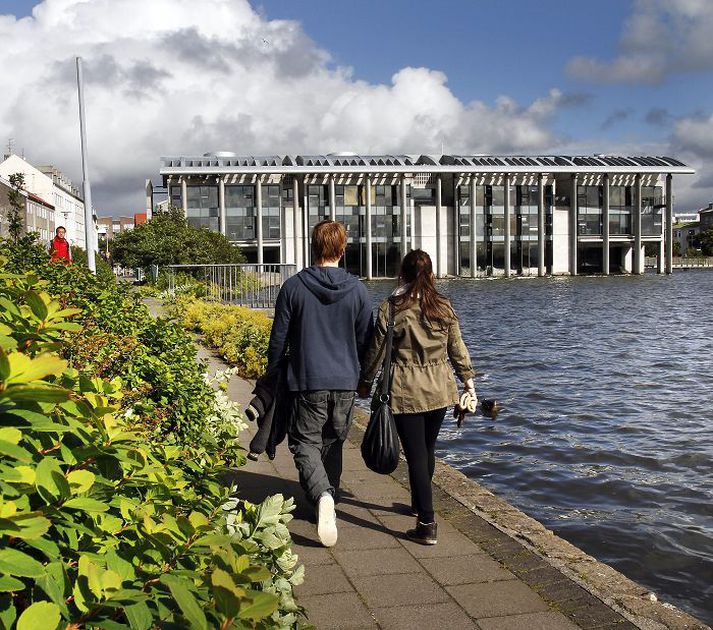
475 577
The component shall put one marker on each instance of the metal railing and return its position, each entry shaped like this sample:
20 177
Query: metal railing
684 262
253 285
692 262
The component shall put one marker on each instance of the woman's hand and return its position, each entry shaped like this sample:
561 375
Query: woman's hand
364 390
469 386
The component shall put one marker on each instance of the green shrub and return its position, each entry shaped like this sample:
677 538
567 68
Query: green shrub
117 336
241 335
103 526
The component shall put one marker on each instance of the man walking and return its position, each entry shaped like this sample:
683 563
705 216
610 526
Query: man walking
323 322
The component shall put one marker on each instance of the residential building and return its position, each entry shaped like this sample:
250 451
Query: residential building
706 215
109 227
38 215
53 187
684 233
476 215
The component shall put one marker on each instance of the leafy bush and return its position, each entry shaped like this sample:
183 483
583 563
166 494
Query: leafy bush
241 335
101 524
104 271
117 336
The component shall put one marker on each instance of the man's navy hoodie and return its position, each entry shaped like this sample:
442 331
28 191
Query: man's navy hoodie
323 317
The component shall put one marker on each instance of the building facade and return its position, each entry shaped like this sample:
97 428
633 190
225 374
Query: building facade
476 215
109 227
706 217
38 215
51 186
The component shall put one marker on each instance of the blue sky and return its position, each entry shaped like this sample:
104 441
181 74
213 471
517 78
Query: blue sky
620 76
489 48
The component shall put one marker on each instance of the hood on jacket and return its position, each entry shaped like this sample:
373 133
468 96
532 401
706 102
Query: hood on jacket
328 284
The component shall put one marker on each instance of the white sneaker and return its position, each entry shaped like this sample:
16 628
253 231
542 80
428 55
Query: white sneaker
326 520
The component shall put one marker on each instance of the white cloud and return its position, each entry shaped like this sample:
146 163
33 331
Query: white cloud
659 38
190 76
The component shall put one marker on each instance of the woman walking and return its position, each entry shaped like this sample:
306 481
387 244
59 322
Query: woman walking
426 336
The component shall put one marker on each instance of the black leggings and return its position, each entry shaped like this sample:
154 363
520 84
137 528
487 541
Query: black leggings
418 433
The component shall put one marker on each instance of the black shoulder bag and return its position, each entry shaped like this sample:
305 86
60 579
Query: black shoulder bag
380 446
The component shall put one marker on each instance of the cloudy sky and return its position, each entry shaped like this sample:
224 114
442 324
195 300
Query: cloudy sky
172 77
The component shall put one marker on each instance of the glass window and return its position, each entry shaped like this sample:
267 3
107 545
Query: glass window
351 195
651 210
202 208
240 213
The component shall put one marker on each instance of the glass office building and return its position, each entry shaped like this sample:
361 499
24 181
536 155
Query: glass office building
475 215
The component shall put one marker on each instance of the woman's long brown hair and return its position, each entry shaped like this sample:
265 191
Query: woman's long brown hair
417 272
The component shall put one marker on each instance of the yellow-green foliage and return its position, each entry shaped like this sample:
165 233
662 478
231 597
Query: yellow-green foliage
240 334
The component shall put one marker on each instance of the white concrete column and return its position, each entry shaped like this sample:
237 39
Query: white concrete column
296 221
540 225
404 218
508 236
149 199
473 237
184 196
367 220
637 227
221 206
439 212
605 226
456 228
306 253
332 199
258 231
412 213
668 232
573 227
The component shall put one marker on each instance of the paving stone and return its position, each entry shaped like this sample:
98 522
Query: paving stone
531 621
313 556
446 615
465 569
365 538
496 599
358 518
338 611
362 562
560 591
540 577
370 491
591 615
320 580
450 544
399 590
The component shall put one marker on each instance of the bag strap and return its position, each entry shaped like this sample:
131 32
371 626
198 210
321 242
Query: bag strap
386 378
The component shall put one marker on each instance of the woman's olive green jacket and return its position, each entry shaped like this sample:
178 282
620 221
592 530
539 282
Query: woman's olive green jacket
421 377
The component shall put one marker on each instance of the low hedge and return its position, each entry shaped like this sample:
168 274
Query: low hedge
241 335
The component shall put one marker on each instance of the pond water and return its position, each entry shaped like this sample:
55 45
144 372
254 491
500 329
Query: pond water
606 432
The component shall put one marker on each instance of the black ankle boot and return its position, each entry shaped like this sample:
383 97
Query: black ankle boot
424 533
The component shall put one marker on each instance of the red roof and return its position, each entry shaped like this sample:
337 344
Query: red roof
39 200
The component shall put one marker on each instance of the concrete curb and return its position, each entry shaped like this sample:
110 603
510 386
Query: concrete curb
631 600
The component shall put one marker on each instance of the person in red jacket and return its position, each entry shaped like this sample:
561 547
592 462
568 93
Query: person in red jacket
59 247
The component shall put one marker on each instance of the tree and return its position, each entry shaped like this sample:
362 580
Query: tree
704 241
168 239
16 211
